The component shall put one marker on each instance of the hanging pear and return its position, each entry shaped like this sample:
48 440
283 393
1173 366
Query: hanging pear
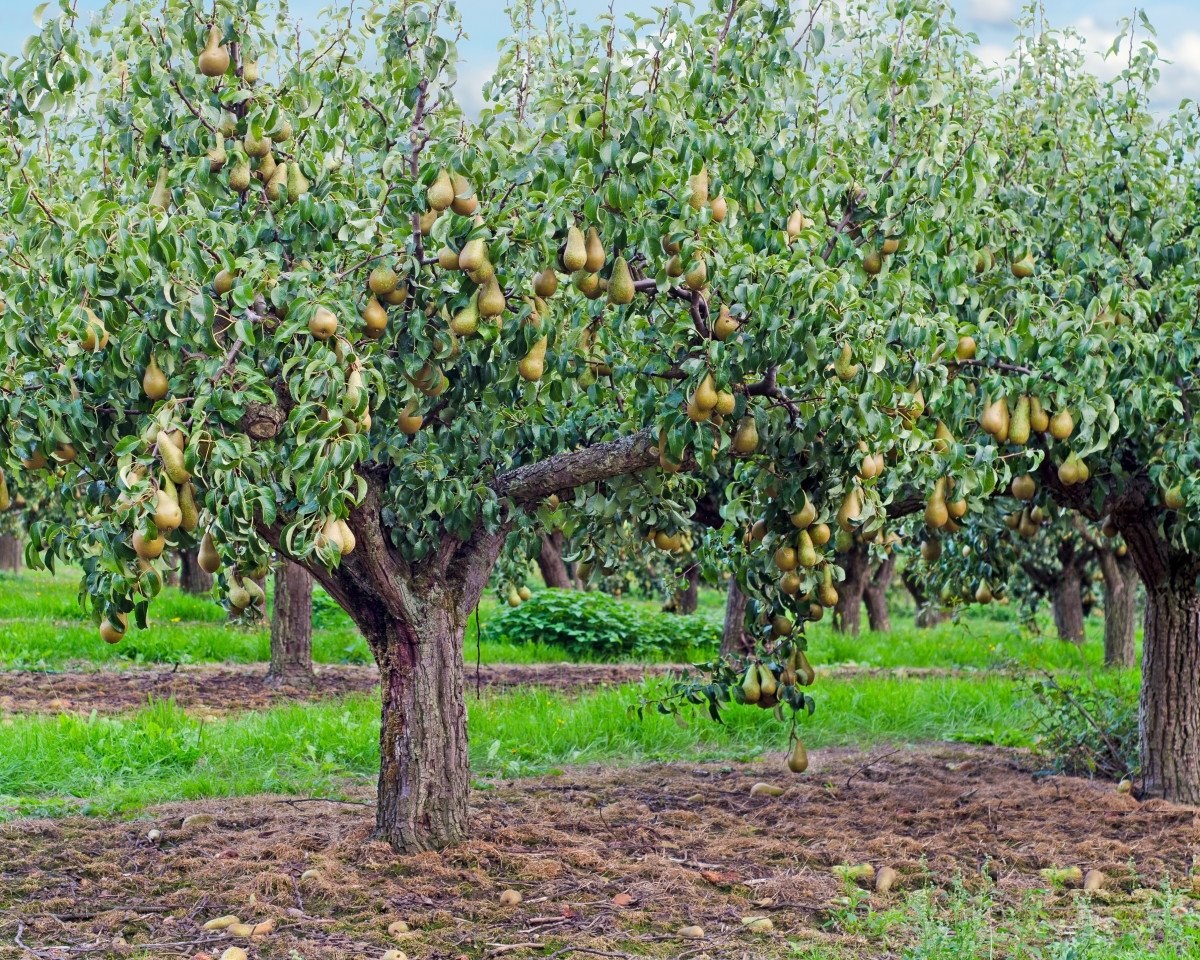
160 196
751 688
725 326
187 507
533 364
798 760
1018 431
375 319
466 321
1062 424
167 515
995 419
573 255
154 381
745 438
239 176
620 283
594 249
698 189
491 299
297 184
440 194
214 58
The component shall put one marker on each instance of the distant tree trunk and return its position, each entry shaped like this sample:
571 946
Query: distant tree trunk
10 553
735 638
291 627
848 612
686 601
1120 608
875 595
550 562
193 579
1066 603
928 613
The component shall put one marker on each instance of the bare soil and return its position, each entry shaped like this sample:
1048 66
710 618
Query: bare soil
610 861
234 687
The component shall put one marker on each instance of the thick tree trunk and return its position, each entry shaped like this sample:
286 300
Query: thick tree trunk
875 595
1169 709
424 775
1066 604
735 639
291 628
686 601
928 613
10 553
848 612
1120 608
192 578
550 561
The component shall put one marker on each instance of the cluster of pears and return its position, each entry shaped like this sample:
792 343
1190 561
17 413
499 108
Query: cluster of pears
1028 417
335 534
386 289
517 595
873 258
699 196
670 542
797 223
253 157
1026 521
941 513
582 254
708 403
764 688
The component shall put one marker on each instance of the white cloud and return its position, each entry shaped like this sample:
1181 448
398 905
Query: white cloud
1179 64
992 11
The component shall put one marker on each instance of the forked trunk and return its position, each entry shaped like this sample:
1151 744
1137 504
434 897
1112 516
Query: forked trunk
192 577
735 639
291 627
551 564
10 553
1066 604
1120 609
424 774
875 595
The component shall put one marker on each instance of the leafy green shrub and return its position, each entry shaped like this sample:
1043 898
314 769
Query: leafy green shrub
1088 726
596 626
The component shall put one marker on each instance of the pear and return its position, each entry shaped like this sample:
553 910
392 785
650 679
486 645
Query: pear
188 510
428 219
806 553
250 71
850 510
674 266
349 540
820 534
171 457
751 688
620 283
277 184
474 254
257 147
588 284
482 274
375 319
323 324
957 510
239 176
983 593
696 277
223 282
889 246
409 420
1062 424
397 297
112 629
214 58
1018 431
95 337
267 168
705 397
491 299
1024 487
936 514
297 183
448 259
239 596
966 348
382 280
1039 420
1073 471
465 203
942 438
148 549
154 381
698 189
1173 498
573 255
790 583
785 558
167 515
466 321
995 419
827 593
5 498
843 366
283 132
873 262
725 326
719 208
217 156
745 437
767 684
533 364
440 194
931 549
805 516
160 196
726 403
594 248
1023 269
798 760
545 283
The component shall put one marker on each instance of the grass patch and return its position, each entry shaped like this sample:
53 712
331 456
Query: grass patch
101 764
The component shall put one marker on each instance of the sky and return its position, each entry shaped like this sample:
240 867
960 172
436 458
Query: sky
1176 22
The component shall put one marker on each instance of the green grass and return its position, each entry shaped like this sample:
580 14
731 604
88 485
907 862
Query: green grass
979 926
160 753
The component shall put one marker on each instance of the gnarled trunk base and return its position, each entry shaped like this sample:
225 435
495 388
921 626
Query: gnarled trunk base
875 595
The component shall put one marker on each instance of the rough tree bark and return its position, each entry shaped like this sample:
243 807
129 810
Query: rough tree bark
1120 607
550 562
735 639
848 612
291 628
10 553
1066 604
413 614
192 578
686 601
875 595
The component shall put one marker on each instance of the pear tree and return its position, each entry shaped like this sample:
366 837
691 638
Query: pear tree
283 297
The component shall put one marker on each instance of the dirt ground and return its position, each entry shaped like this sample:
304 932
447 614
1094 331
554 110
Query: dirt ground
609 863
218 689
